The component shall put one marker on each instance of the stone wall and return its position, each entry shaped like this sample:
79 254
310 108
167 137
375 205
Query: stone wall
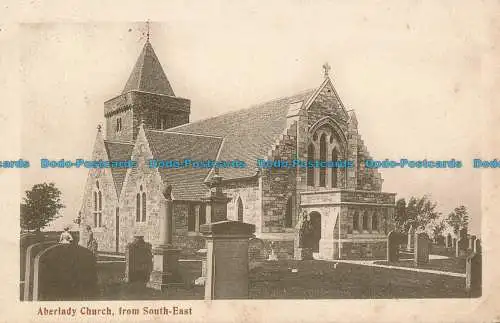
278 186
248 191
106 233
375 249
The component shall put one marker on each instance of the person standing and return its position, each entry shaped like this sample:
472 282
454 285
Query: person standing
92 242
66 237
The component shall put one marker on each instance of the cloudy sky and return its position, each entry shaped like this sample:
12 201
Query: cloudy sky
411 71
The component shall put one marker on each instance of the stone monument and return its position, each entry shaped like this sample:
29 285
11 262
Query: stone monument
165 256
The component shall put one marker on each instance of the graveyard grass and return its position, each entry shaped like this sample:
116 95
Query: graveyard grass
314 279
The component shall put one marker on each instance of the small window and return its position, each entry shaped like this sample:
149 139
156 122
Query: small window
240 209
118 124
97 206
191 219
355 221
375 222
365 221
140 206
289 211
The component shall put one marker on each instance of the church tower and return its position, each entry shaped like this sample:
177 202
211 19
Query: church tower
148 97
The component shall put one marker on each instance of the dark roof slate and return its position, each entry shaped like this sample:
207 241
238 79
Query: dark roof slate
248 134
187 183
148 75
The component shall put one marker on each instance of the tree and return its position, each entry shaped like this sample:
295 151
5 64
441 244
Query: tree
458 219
436 228
419 212
40 206
400 214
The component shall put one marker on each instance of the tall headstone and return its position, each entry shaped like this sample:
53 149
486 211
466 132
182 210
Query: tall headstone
65 272
393 240
138 260
461 247
472 240
166 271
473 274
448 240
477 246
31 253
26 240
227 259
422 249
411 238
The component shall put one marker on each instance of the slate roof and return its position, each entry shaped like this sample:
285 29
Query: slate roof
187 183
148 75
118 151
248 134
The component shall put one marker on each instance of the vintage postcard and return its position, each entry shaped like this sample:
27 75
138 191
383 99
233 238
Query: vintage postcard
215 161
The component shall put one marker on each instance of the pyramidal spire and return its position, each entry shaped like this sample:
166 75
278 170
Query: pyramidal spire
148 75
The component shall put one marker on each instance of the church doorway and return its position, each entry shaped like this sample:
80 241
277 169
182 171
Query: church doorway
315 235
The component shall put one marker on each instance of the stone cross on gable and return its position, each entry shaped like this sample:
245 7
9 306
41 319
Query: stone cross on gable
99 127
326 68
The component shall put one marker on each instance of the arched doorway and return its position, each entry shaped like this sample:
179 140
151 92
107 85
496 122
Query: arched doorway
315 234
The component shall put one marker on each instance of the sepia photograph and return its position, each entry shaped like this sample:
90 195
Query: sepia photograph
311 152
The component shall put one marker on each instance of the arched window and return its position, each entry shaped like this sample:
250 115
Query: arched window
310 170
335 157
375 222
288 213
365 221
240 209
140 206
143 206
322 157
355 221
97 206
191 220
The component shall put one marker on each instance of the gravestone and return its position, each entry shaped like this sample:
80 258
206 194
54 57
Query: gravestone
256 253
26 240
477 246
65 272
411 238
31 253
422 249
200 281
139 261
472 240
227 259
454 243
473 274
393 241
448 241
461 247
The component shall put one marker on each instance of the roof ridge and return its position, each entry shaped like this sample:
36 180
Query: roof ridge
254 106
118 142
184 133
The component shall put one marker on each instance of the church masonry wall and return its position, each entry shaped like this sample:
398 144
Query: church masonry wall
248 191
151 181
109 201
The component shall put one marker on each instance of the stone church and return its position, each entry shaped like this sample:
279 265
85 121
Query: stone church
349 214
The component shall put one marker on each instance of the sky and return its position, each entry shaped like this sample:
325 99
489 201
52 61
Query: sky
410 70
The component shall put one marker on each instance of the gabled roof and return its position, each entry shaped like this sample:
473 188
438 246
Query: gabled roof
118 151
148 75
248 134
187 183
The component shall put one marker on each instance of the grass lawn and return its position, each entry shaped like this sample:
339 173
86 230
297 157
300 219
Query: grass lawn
454 265
315 279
